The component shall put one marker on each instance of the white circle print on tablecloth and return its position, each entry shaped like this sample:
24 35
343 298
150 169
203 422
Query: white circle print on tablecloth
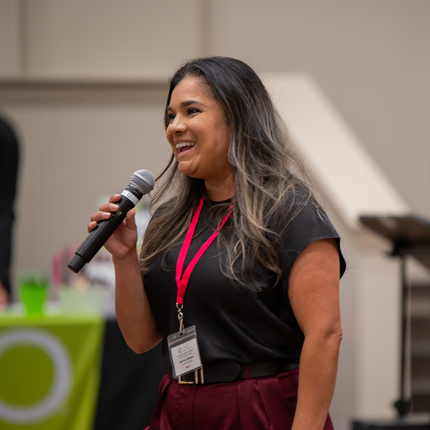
59 390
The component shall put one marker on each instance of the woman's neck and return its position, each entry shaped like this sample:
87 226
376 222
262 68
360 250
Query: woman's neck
219 191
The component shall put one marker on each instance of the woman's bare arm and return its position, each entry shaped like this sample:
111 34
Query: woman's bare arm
314 295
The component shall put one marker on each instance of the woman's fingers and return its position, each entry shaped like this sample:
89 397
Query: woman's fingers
91 226
105 212
114 198
109 207
95 218
100 216
129 219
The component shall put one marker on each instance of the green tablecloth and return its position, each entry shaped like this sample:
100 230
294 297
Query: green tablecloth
49 371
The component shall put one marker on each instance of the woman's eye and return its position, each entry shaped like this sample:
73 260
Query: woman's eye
190 111
170 117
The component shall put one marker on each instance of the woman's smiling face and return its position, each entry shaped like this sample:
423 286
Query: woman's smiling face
198 131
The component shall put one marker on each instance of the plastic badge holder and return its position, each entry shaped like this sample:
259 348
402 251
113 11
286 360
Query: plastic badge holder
184 351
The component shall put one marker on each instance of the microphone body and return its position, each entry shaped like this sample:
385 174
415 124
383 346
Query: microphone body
104 229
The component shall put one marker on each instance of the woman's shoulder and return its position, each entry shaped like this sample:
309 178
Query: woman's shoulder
296 197
303 212
307 222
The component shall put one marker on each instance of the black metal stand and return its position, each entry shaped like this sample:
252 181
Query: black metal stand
410 235
403 404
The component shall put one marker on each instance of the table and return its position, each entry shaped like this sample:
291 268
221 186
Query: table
73 372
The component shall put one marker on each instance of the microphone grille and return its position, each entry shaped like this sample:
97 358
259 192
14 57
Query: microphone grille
143 180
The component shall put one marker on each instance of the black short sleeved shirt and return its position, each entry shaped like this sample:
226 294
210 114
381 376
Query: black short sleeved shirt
234 322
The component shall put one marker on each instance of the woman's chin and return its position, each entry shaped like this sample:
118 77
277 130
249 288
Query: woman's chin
185 169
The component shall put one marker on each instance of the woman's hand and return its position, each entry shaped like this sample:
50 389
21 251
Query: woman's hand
132 308
124 238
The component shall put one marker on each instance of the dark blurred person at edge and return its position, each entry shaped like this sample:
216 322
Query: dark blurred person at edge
9 159
239 248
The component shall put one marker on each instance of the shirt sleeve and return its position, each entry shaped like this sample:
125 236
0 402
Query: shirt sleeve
310 224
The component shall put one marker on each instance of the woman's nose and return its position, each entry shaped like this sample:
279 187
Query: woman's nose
177 125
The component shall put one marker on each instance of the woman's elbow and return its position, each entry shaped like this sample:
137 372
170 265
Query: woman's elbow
330 336
143 346
334 336
337 337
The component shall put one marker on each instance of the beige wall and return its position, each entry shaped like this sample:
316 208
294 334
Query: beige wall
372 58
89 90
100 38
74 153
10 38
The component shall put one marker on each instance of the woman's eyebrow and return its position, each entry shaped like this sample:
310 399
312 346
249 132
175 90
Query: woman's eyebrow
185 104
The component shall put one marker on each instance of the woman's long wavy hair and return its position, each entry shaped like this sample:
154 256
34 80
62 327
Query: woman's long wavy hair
266 171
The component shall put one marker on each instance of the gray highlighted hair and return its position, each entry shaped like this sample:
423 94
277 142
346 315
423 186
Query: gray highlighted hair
270 184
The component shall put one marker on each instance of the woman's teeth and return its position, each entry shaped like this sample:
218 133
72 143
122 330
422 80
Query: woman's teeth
183 145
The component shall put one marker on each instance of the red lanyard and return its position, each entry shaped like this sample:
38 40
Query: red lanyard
182 283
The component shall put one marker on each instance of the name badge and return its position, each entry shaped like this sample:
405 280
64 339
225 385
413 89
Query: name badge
184 351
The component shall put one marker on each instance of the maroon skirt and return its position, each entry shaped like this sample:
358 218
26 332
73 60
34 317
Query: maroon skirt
249 404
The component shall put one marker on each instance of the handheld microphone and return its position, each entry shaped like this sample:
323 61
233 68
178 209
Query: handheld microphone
141 182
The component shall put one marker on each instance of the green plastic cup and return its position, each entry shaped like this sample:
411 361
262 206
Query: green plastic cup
33 288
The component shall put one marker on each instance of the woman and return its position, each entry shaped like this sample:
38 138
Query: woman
263 295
